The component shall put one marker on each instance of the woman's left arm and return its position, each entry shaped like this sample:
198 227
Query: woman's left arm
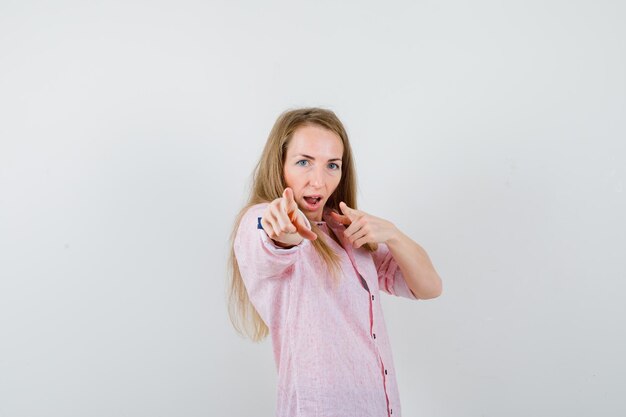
416 267
412 259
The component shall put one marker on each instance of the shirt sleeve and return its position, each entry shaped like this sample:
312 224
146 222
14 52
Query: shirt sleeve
257 255
390 277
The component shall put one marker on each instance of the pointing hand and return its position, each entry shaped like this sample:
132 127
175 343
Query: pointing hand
284 222
362 227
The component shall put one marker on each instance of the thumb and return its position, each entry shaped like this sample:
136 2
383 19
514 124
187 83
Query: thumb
341 218
302 229
350 212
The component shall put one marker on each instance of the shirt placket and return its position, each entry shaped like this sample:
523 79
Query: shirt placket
372 329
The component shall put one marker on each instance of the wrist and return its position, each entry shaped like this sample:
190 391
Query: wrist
282 245
288 241
394 237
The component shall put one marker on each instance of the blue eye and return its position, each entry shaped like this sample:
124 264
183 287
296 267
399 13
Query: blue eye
332 165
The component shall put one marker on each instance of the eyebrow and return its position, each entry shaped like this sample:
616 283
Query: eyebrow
310 157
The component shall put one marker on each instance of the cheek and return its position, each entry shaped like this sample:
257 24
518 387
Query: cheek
287 175
290 179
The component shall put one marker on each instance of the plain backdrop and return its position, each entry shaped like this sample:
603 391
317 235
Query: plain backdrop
491 132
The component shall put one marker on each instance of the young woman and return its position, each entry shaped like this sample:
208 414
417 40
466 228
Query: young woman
307 267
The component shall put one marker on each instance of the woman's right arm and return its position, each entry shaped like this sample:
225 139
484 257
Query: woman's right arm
260 236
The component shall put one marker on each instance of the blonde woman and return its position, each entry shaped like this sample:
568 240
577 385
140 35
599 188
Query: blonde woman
307 268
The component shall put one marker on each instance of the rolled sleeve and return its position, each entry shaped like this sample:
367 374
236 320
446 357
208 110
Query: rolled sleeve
390 277
257 255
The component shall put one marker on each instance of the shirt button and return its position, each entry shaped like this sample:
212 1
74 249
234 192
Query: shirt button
385 372
374 335
372 297
392 411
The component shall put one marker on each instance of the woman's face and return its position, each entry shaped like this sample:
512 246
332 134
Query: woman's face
313 168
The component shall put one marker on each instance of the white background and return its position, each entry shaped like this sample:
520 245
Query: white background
493 133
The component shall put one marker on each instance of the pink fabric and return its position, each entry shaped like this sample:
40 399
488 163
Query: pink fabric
331 348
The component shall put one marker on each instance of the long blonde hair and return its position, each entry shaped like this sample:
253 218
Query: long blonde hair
268 184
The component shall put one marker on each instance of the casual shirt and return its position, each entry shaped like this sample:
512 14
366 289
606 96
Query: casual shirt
330 345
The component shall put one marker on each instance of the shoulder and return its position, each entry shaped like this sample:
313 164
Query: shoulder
249 219
253 212
260 207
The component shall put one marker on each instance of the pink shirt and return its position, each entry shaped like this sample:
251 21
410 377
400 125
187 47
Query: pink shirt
331 349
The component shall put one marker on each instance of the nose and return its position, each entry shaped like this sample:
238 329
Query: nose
316 177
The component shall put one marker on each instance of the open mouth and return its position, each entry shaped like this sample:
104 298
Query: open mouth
313 202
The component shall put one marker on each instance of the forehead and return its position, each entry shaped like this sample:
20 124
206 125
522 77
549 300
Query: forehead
315 141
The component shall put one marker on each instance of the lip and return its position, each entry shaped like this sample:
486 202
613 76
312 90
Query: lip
310 207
